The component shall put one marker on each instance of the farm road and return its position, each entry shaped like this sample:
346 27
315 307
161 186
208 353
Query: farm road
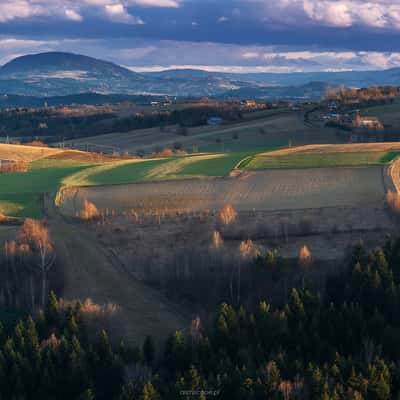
91 272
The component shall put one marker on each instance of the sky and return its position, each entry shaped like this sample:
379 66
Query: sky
227 35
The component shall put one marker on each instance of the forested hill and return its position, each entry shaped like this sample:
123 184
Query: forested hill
339 344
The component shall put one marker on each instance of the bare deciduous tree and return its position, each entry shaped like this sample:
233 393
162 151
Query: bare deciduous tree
305 256
227 215
36 235
217 241
89 211
195 330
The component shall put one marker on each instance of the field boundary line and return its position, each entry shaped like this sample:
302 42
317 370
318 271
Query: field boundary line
239 165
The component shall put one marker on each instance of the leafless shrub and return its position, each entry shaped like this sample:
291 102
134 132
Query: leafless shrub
217 241
393 199
286 388
52 342
195 330
36 143
305 257
157 153
89 211
248 249
227 215
91 309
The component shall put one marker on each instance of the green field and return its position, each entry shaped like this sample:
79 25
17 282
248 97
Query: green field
309 160
199 166
389 114
20 192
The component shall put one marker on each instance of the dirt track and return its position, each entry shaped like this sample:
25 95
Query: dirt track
262 190
92 272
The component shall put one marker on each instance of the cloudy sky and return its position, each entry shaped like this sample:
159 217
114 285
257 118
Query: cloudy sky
231 35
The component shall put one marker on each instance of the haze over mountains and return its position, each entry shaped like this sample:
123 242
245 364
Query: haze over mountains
64 74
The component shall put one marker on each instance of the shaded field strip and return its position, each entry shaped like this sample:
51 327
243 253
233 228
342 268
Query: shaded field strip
92 272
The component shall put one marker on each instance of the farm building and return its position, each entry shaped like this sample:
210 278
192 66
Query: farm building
250 103
367 122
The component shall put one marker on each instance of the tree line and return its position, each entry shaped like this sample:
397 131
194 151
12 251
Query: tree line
52 125
186 117
368 96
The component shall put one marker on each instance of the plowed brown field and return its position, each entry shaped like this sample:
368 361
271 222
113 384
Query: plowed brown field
261 190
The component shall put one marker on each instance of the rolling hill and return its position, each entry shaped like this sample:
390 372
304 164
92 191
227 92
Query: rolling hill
65 74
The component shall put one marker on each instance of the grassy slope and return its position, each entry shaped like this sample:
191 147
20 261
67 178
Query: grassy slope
200 166
20 192
24 153
387 113
258 131
302 160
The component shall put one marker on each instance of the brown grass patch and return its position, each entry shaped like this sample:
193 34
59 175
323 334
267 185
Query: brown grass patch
28 154
85 157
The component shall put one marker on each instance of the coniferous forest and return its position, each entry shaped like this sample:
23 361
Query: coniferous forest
339 343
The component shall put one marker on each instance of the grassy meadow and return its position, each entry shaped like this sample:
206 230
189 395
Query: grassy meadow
199 166
20 192
256 132
389 114
315 160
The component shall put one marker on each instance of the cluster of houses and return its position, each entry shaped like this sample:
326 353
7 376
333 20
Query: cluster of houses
351 119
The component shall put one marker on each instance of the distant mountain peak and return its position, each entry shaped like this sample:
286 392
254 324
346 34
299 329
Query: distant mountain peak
62 61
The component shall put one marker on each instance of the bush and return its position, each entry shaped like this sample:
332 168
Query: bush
89 211
393 199
227 215
305 256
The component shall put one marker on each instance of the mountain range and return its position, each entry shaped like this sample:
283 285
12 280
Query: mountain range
64 74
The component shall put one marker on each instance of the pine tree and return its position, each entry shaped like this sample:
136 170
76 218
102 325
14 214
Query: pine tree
149 350
52 309
87 395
